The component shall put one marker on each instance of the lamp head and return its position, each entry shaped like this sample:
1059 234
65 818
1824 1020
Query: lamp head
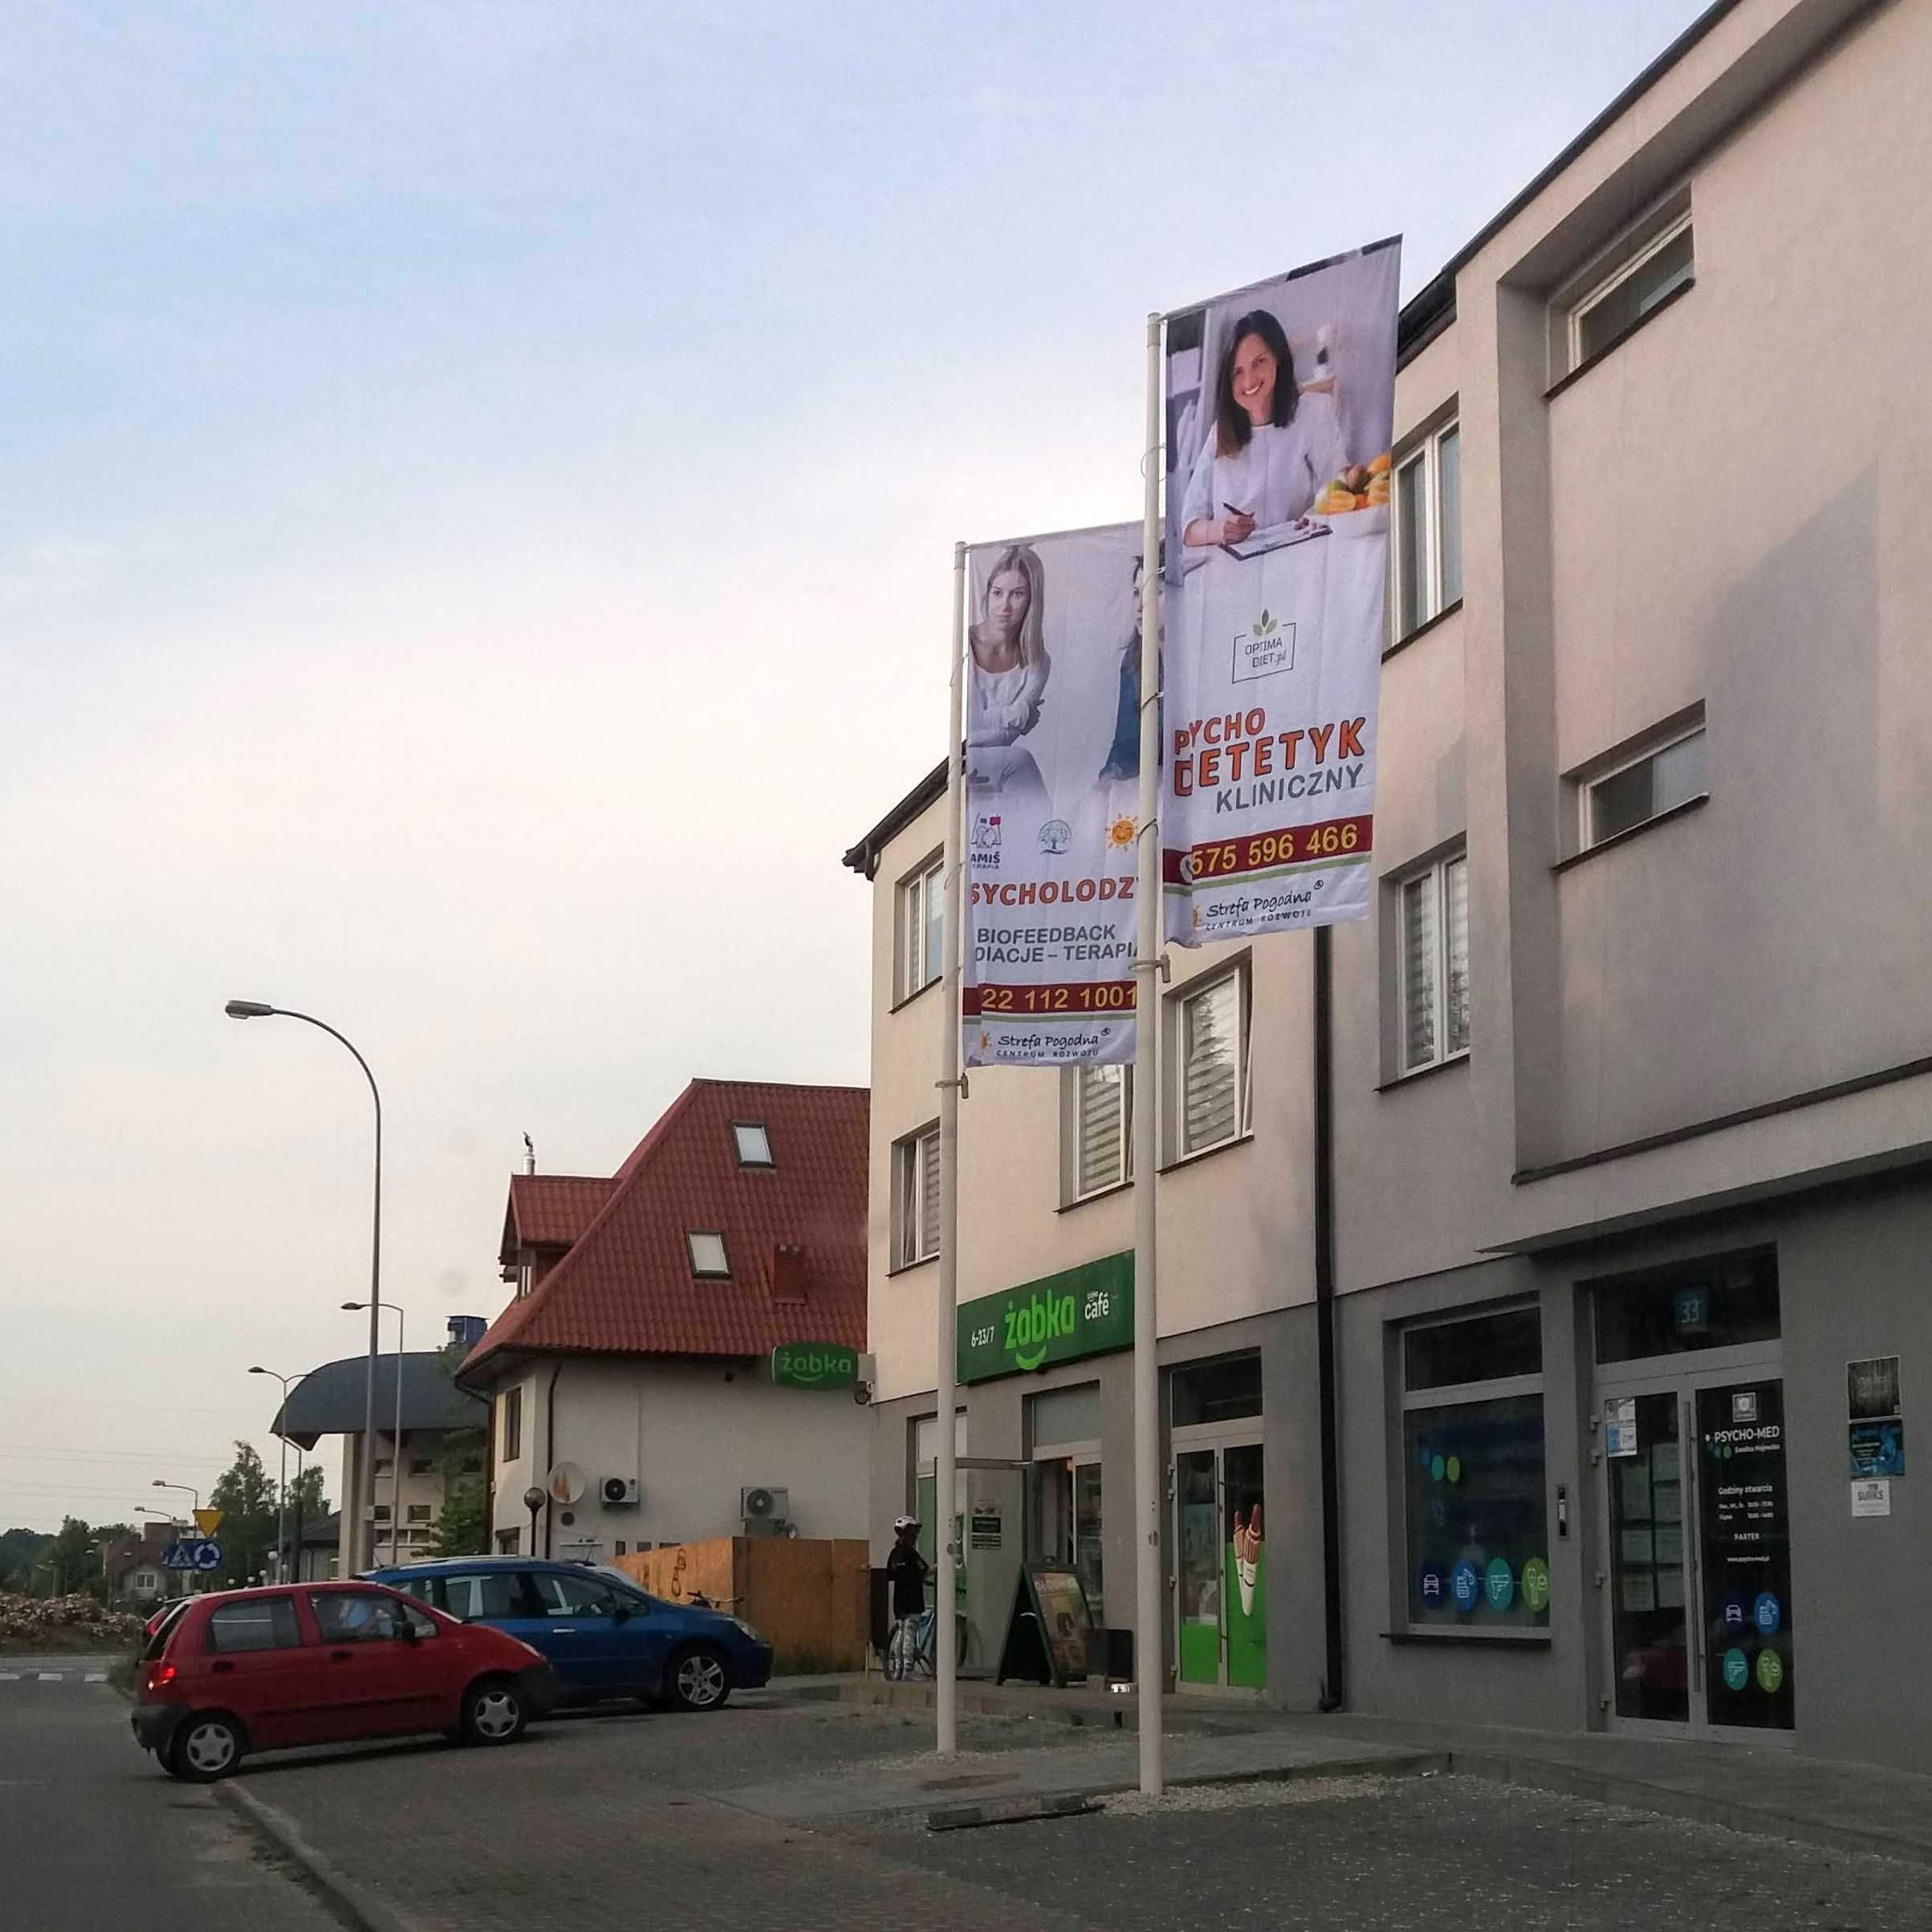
247 1009
261 1371
355 1304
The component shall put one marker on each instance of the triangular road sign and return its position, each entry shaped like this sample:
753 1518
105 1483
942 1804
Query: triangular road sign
207 1521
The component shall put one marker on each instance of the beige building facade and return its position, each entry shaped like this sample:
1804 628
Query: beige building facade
1632 1080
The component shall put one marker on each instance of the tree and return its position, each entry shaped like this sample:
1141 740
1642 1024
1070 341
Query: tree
21 1552
245 1494
306 1506
75 1558
460 1529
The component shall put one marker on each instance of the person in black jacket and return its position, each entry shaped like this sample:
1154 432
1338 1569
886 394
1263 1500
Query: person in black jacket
907 1569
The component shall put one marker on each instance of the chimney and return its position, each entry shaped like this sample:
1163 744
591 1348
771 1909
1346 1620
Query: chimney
788 1271
530 1155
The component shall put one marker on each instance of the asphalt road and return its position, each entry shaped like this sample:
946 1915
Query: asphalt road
93 1836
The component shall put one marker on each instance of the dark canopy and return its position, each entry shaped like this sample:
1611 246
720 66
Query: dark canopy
329 1401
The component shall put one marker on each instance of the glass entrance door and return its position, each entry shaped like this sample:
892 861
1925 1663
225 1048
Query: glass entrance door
1220 1585
1066 1521
1699 1570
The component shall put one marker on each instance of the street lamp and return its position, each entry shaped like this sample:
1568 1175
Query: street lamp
287 1382
187 1577
255 1009
395 1455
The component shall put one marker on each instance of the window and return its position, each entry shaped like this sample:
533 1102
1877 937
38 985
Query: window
1211 1046
382 1512
1724 1301
1617 303
1428 529
506 1541
1223 1390
1477 1543
920 948
260 1623
1433 927
754 1143
560 1596
361 1617
417 1512
708 1261
1656 781
510 1424
385 1465
1100 1126
420 1465
916 1199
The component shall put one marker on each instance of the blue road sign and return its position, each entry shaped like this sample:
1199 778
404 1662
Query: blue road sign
191 1553
208 1556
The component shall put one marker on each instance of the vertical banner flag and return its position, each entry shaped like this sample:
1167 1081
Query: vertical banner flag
1052 798
1280 411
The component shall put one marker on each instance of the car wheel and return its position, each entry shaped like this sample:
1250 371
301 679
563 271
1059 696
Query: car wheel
207 1747
494 1712
697 1680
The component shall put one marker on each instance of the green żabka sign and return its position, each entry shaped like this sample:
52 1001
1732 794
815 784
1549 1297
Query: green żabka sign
814 1365
1086 1310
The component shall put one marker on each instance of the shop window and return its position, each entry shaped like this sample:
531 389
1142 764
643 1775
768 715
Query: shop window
1064 1415
1220 1391
1722 1302
1474 1507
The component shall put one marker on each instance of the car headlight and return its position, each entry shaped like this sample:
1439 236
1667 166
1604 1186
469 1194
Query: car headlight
747 1629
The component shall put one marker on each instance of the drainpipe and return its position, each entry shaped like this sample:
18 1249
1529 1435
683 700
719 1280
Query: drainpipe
550 1457
1333 1693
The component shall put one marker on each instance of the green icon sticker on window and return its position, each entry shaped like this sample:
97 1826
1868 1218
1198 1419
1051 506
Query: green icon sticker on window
1737 1670
1499 1584
1453 1469
1536 1584
1771 1673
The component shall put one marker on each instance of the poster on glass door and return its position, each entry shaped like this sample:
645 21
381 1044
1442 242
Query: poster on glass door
1052 798
1281 412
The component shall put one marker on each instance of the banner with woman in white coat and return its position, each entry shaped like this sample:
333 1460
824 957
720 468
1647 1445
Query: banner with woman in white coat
1052 798
1280 411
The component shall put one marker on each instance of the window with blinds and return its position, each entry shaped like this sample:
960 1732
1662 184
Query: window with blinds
916 1201
1434 925
1101 1133
1213 1063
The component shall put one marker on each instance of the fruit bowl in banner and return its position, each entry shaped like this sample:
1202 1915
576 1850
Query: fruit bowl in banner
1356 513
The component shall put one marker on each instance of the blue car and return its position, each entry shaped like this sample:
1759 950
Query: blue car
604 1636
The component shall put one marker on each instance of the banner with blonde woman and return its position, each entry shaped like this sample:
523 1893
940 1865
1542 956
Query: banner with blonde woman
1280 410
1053 659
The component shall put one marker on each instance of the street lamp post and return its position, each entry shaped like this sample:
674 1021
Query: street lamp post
287 1382
187 1575
255 1009
396 1453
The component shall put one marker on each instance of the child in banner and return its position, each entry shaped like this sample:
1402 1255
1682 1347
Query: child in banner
1008 681
1272 447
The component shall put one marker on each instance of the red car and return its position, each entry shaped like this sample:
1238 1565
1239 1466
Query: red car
324 1663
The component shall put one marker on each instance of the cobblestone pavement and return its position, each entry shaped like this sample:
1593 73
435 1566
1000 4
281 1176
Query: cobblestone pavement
622 1821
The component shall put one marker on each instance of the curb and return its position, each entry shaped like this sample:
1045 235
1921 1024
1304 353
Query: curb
351 1902
1668 1801
1070 1804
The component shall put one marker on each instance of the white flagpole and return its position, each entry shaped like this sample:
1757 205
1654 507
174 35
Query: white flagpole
947 1661
1149 1646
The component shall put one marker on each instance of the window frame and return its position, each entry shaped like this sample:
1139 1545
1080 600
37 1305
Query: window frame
1425 449
699 1271
1595 292
1176 1090
1436 870
1461 1395
911 923
739 1129
909 1201
1073 1135
510 1425
1647 746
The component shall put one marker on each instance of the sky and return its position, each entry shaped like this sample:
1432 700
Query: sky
476 517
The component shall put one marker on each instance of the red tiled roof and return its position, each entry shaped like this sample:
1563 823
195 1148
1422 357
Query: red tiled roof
550 1210
626 1285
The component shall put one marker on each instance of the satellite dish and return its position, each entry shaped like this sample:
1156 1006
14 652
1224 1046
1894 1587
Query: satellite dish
568 1483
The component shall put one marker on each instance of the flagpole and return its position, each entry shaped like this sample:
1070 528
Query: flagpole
947 1661
1149 1643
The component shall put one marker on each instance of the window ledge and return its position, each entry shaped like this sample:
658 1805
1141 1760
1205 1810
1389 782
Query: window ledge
899 1006
1610 349
1422 630
1100 1193
1207 1153
1422 1073
1508 1640
1632 832
906 1267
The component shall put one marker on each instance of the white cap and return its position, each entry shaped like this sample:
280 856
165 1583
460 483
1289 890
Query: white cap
905 1522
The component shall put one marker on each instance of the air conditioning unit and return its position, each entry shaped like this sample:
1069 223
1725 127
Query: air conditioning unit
619 1491
765 1511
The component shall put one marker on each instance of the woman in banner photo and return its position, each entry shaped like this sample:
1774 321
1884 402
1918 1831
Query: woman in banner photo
1273 447
1008 683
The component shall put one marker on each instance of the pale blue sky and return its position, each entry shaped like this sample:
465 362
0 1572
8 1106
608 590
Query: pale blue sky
475 524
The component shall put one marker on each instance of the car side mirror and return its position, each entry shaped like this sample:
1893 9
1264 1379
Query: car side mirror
409 1633
624 1613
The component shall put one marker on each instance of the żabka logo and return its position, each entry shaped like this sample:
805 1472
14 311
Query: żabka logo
813 1364
1030 1327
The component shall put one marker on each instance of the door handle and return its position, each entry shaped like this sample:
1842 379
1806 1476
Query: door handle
222 1663
564 1629
341 1657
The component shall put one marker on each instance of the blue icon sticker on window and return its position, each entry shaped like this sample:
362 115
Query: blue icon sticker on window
1765 1613
1465 1585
